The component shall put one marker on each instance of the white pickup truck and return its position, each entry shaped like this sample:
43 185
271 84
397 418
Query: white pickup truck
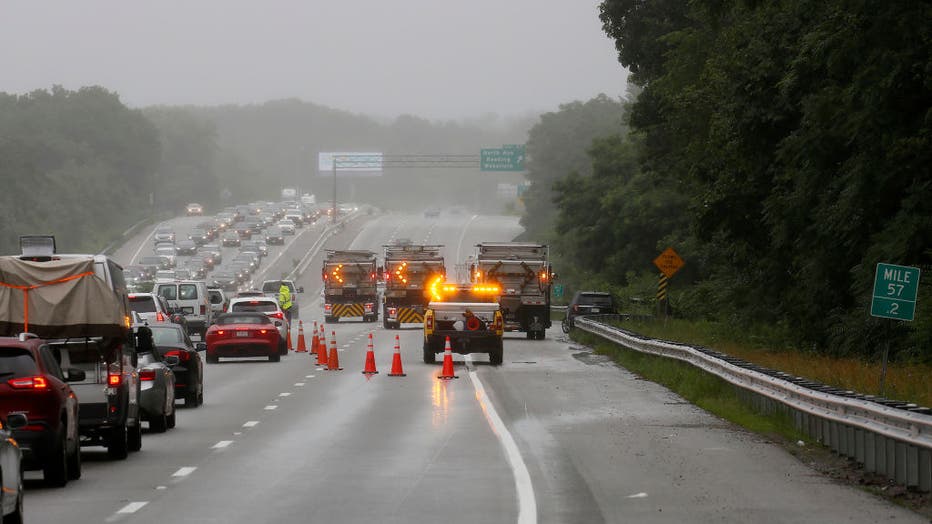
470 316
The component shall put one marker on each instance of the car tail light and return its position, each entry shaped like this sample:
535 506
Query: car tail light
278 314
220 332
146 375
36 382
429 321
263 331
392 312
160 317
368 307
203 309
182 355
327 307
114 379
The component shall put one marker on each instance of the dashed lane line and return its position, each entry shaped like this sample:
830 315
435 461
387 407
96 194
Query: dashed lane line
222 444
132 507
184 472
270 407
251 424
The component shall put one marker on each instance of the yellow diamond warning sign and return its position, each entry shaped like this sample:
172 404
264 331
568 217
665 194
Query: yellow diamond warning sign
669 262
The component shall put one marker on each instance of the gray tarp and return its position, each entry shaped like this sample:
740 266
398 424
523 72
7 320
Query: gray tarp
65 300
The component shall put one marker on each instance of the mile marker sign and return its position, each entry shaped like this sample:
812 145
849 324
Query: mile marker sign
895 290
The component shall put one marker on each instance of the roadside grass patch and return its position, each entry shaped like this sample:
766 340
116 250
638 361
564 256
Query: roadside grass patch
696 386
773 348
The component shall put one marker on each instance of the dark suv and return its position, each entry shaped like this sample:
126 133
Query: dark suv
33 384
588 303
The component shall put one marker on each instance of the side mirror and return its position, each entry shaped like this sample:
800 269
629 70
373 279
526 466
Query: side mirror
171 361
16 421
75 375
301 289
201 346
278 323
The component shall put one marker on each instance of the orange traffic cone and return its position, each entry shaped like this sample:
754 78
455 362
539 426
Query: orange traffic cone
314 340
322 348
397 371
369 368
288 338
333 361
447 372
302 346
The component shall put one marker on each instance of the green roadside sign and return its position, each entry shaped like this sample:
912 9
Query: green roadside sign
557 290
895 291
509 157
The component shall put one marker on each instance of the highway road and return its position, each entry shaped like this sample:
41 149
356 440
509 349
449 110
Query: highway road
555 435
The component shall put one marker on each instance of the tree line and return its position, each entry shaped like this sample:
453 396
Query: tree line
83 166
782 148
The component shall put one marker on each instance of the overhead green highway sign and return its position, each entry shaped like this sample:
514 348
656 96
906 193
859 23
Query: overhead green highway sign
507 158
895 290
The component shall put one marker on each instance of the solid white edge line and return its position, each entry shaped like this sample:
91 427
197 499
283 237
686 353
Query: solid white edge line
132 507
184 472
527 503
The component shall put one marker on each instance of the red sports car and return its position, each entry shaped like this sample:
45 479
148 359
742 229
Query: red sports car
243 334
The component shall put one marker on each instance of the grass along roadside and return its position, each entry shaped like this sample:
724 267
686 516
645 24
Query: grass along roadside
908 382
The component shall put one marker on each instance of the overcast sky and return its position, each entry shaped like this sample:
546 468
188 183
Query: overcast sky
432 58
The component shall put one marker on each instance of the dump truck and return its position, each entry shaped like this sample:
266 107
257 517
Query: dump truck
408 271
469 315
521 270
350 285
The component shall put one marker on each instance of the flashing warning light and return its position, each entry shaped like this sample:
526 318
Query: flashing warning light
487 290
435 288
543 276
127 322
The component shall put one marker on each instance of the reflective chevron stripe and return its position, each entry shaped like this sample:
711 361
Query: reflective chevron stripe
406 315
348 310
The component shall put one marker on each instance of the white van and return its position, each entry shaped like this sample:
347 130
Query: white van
190 297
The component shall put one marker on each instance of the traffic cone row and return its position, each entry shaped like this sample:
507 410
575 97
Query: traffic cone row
302 345
332 361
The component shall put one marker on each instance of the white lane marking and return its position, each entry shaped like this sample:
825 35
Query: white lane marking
132 507
308 376
159 488
222 444
251 424
144 243
184 472
459 244
284 394
527 503
237 433
299 384
640 495
270 408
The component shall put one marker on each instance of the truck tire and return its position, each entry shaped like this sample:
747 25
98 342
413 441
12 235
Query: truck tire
55 470
134 437
496 354
116 443
429 356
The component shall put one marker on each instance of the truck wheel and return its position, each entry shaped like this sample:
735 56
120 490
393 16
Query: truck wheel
55 469
116 442
134 437
74 462
429 356
496 354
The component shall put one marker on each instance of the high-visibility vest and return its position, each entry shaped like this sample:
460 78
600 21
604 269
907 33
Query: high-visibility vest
284 297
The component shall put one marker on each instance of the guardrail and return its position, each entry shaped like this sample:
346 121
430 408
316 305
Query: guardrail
886 440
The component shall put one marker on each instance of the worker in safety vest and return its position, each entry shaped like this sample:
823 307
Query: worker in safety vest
284 300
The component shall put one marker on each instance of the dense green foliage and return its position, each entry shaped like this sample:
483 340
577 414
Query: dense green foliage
782 148
77 164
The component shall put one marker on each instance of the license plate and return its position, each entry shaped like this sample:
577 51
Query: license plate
595 310
242 333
